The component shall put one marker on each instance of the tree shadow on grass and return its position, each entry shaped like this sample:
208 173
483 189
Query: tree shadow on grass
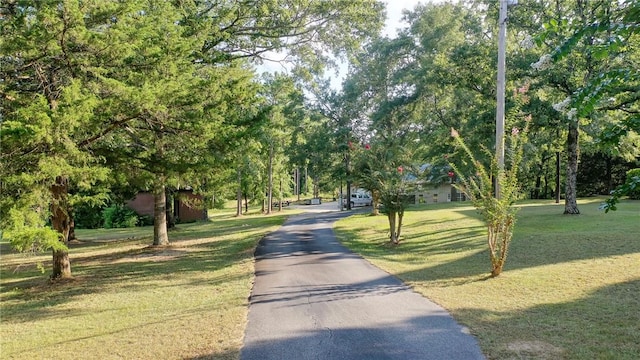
415 244
601 325
540 238
36 299
29 295
471 268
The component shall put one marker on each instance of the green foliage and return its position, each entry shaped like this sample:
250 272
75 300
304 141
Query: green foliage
589 59
630 188
310 30
617 30
606 38
600 173
119 216
26 233
145 220
142 92
633 177
88 216
377 171
608 41
496 209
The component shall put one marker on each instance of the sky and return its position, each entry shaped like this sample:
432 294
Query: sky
393 22
394 13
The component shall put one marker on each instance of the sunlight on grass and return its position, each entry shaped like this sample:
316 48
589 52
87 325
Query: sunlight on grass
130 300
569 290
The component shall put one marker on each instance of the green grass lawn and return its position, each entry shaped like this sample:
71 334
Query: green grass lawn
570 289
129 300
571 286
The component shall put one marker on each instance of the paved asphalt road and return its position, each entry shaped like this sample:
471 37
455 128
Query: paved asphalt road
313 299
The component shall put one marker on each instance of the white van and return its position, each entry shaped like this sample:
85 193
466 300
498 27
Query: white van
358 198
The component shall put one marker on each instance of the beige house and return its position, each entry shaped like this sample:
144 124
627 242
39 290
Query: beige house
438 187
432 194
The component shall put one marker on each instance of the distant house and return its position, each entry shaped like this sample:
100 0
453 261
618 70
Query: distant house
434 187
187 206
431 194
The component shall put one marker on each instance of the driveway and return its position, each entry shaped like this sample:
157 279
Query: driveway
314 299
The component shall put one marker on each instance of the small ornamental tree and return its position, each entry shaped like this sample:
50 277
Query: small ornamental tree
394 199
368 176
378 171
498 211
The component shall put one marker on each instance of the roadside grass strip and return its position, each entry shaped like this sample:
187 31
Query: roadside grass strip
128 300
571 286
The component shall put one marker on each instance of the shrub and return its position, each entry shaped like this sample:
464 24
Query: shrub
119 216
496 208
87 216
145 220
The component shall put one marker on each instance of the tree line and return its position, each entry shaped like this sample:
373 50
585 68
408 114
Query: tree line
100 99
576 62
572 82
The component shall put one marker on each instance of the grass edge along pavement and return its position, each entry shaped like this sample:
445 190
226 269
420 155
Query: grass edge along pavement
130 300
571 286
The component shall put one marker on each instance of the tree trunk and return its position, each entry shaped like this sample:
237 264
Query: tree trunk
609 164
347 160
375 201
541 174
545 193
239 194
72 226
306 180
392 227
280 197
270 184
348 200
160 236
61 265
316 187
170 206
558 177
399 224
60 222
571 197
298 183
496 269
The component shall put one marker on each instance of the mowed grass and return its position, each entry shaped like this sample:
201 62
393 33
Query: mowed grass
570 289
128 300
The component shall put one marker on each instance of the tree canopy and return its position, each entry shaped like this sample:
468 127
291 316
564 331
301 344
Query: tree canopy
103 99
142 91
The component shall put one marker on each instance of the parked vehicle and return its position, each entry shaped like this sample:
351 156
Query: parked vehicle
358 198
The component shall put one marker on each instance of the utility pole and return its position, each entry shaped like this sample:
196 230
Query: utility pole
502 44
347 161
